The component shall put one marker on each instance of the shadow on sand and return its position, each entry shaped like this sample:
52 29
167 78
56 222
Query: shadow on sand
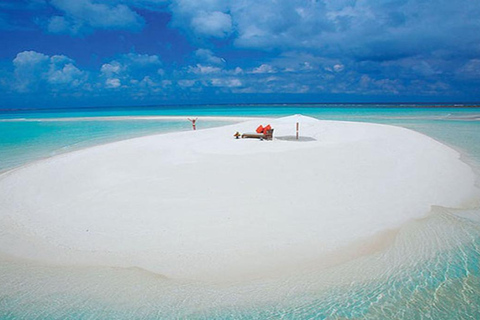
293 138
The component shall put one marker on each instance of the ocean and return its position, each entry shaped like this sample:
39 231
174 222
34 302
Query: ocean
430 271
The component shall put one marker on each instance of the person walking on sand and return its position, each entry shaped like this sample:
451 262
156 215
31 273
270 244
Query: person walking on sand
193 121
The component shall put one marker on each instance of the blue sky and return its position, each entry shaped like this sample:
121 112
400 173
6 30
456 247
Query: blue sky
71 53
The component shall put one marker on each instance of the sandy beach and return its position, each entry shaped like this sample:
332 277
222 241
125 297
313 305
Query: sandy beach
203 205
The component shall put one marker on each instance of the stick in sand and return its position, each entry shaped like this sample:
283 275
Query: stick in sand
297 130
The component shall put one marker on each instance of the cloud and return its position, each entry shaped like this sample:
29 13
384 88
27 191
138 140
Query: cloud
381 85
142 62
205 18
59 24
363 47
29 59
215 24
264 68
184 83
338 67
470 70
131 70
131 76
111 69
226 82
206 56
84 16
132 63
272 24
62 71
30 67
112 83
35 71
360 30
201 69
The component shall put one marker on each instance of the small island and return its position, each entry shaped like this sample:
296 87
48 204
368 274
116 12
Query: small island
203 205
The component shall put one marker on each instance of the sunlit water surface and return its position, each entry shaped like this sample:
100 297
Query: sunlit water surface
430 271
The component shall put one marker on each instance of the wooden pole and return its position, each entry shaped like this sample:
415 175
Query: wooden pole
297 130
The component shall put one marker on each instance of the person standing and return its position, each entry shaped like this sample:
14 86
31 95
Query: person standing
193 121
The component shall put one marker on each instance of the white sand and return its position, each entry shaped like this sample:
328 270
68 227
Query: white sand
203 205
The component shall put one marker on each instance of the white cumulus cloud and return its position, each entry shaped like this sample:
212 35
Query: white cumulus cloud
338 67
140 70
113 83
34 71
215 24
81 16
226 82
264 68
201 69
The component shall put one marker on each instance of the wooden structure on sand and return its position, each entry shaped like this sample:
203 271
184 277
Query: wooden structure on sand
268 135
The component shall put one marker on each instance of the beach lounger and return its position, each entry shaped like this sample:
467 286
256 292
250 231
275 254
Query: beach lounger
267 136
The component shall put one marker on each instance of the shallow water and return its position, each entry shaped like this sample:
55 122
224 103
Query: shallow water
25 141
431 270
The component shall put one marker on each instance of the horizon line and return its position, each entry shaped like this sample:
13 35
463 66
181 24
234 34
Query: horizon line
270 104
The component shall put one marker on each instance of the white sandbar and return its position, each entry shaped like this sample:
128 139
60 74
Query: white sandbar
203 205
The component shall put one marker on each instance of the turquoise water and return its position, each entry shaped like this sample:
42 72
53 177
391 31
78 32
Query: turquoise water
34 134
24 141
430 271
